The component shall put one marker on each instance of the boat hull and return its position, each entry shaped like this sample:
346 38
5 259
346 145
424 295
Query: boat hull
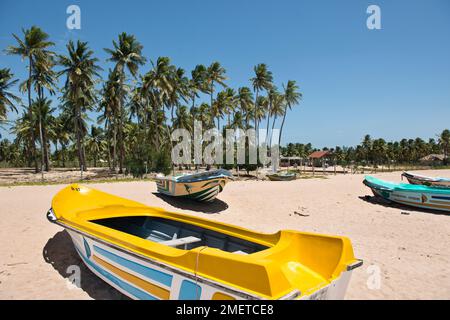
277 177
426 181
149 253
138 278
424 197
142 279
205 191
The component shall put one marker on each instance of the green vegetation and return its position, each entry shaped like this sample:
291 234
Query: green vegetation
378 152
137 107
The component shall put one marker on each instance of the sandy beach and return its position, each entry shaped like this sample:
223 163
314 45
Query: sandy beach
410 247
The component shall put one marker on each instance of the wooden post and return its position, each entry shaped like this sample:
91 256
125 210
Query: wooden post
312 165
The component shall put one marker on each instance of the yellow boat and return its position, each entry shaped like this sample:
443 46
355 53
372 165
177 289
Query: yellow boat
149 253
200 186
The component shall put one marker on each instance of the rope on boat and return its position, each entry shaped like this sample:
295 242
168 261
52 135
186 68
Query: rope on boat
195 272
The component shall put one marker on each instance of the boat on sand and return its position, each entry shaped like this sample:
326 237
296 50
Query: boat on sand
149 253
427 181
282 176
201 186
410 194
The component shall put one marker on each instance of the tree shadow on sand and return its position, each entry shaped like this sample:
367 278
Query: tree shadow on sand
390 204
60 253
214 206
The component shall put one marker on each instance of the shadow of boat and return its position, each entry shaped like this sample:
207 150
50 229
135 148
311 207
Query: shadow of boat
214 206
60 253
391 204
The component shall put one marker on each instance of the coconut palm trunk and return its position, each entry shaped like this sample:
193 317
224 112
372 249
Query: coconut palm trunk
45 163
256 118
46 151
63 157
30 114
79 148
273 126
114 145
282 125
42 147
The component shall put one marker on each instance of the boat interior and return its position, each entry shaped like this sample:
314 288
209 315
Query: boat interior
178 234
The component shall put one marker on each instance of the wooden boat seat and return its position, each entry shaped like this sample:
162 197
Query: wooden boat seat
181 241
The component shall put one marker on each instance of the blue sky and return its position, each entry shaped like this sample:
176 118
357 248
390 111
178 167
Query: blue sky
390 83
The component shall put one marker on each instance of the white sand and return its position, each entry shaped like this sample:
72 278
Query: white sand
412 250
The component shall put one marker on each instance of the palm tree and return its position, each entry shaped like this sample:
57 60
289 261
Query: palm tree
367 147
277 110
156 89
261 81
204 114
23 128
95 143
80 68
238 121
7 99
292 97
444 141
61 136
32 47
45 121
179 89
43 77
197 83
183 119
261 106
218 108
127 54
271 96
231 103
215 74
245 101
109 106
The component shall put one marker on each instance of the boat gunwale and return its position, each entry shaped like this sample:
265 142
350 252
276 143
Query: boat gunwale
207 178
402 187
189 220
178 270
425 178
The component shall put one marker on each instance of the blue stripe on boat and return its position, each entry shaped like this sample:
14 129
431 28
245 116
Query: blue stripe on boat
118 282
153 274
86 248
189 291
440 197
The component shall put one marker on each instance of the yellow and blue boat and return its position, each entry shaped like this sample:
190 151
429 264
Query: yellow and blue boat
149 253
201 186
420 196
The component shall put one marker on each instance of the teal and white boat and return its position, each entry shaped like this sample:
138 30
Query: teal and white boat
410 194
